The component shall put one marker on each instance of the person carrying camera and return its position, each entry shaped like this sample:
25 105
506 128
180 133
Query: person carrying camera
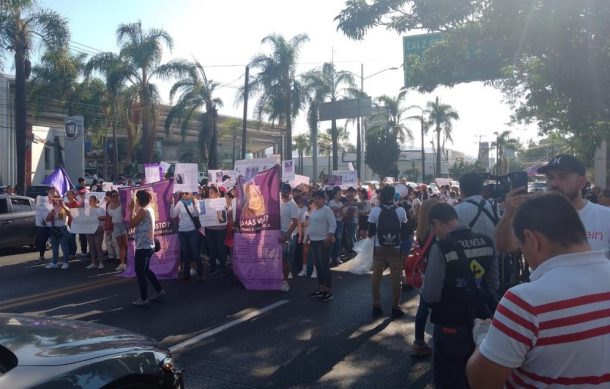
475 211
566 175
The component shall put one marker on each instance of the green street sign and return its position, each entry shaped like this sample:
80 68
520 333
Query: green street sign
417 44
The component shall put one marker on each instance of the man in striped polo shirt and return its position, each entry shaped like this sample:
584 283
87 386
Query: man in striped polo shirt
555 330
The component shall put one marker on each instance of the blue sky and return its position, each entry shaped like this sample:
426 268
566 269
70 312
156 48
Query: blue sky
225 34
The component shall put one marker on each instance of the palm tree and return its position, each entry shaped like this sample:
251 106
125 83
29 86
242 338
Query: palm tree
325 144
22 27
137 64
423 126
394 108
503 142
441 116
281 95
327 83
303 145
196 92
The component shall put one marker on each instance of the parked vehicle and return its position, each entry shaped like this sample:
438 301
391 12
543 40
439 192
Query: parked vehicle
37 190
17 221
38 351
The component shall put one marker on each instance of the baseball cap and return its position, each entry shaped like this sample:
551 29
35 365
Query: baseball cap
286 188
564 162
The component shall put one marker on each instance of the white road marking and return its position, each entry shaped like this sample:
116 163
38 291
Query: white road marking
189 342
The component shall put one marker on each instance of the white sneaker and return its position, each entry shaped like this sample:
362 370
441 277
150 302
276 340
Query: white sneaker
140 302
285 286
193 272
65 266
121 267
289 276
314 274
51 266
92 266
303 273
100 266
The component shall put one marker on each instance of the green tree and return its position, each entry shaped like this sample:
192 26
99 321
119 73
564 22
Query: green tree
23 27
303 145
503 142
459 168
382 152
138 64
280 94
441 117
395 111
196 93
551 56
328 84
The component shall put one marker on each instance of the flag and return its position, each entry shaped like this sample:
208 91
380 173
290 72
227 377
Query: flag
60 180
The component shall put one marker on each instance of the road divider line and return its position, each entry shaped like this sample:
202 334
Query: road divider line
204 335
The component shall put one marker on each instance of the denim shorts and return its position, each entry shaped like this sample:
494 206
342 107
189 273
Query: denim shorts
118 229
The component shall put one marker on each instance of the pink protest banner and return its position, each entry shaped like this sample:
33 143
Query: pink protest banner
257 253
165 262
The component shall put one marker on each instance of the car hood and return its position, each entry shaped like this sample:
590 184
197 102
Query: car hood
44 341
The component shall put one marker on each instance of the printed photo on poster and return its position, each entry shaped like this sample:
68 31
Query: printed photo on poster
186 177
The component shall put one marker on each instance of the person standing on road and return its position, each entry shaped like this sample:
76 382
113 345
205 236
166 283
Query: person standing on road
144 223
289 221
566 175
119 231
188 234
215 237
72 203
322 227
112 247
460 286
550 332
388 225
43 228
95 240
59 218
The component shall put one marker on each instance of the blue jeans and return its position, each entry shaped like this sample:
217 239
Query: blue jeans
62 241
350 230
336 249
217 248
421 317
190 248
72 244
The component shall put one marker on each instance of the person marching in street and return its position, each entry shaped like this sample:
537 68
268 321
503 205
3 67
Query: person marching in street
95 240
322 227
112 247
72 203
59 218
144 223
119 231
388 224
460 285
43 228
215 238
337 204
289 221
187 212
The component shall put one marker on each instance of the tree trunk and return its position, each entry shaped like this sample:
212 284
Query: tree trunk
334 136
213 157
21 112
314 152
423 153
438 151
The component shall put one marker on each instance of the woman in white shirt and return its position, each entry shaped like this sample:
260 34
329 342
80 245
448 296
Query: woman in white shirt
58 217
119 230
94 241
322 226
186 211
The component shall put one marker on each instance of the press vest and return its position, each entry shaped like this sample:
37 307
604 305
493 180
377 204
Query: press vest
468 256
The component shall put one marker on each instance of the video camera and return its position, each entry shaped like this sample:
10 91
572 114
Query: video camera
504 184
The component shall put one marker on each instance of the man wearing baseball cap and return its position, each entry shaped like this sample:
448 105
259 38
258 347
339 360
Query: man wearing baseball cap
565 174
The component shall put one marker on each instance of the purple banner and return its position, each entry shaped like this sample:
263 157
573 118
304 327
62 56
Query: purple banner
257 253
165 262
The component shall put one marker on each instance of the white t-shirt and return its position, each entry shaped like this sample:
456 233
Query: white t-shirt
374 218
596 219
467 212
553 330
335 205
288 211
321 223
185 223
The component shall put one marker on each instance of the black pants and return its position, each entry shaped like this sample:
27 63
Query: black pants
143 272
217 248
82 238
321 257
42 236
452 348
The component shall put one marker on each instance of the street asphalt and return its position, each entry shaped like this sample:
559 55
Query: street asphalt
227 337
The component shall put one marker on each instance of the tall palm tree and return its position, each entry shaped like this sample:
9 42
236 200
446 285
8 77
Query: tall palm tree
423 126
138 63
196 92
504 141
281 95
328 84
303 145
22 27
395 110
441 116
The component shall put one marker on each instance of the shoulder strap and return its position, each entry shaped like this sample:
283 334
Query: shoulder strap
481 209
189 212
428 242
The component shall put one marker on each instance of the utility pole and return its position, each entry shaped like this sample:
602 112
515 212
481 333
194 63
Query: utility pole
423 150
358 128
245 121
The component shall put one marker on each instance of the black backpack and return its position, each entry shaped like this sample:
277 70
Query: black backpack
388 226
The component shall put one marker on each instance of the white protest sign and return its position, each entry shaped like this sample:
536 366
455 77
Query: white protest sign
106 186
164 167
100 196
153 172
298 180
84 220
350 166
42 208
248 168
213 212
287 170
186 177
345 178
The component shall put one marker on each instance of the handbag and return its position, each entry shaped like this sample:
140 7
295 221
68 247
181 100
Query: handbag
196 221
415 265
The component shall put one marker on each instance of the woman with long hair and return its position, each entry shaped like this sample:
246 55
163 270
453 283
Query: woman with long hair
59 218
119 231
94 241
144 223
188 235
254 203
420 347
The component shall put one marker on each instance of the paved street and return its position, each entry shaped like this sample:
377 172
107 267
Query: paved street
227 337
